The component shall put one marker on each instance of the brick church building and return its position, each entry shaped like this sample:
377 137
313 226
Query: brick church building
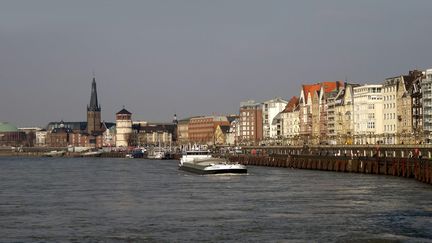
80 134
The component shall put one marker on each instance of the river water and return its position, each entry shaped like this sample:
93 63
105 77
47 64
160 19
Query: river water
127 200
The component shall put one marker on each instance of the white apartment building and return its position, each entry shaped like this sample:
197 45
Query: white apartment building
234 132
291 125
270 109
41 136
368 114
389 95
426 87
334 99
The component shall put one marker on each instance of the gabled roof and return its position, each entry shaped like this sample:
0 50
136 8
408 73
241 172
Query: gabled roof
315 89
332 85
411 78
232 118
340 94
108 125
225 129
310 88
292 104
277 118
412 81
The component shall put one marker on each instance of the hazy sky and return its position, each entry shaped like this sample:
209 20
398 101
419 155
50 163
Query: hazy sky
195 57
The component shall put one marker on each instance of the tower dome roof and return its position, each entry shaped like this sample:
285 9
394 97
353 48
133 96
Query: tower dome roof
124 112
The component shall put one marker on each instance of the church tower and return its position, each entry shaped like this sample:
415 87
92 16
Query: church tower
94 112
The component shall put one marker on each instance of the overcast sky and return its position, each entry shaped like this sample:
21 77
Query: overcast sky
195 57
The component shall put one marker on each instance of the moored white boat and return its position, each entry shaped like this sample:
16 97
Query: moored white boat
156 153
92 154
136 153
202 162
54 153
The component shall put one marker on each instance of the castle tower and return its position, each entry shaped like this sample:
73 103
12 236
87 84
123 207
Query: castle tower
123 128
94 112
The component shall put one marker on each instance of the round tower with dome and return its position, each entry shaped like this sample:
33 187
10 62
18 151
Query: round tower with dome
123 128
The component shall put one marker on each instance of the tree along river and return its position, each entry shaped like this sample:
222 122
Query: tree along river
116 200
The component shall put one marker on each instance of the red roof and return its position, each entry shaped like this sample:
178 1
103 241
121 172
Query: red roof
292 104
329 86
310 88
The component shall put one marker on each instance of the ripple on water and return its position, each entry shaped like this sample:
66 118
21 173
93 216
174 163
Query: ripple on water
115 200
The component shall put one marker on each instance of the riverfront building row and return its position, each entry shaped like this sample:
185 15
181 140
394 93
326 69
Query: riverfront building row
396 111
93 133
123 134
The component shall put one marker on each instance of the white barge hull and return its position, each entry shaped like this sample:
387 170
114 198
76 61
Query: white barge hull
214 169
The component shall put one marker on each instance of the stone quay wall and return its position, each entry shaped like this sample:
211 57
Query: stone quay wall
417 168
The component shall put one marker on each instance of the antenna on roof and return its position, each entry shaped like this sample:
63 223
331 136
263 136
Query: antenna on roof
93 73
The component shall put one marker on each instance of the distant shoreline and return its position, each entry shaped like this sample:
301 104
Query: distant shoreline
66 154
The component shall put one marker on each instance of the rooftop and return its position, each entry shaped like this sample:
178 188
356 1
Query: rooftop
275 100
249 103
124 112
225 129
328 86
7 127
292 104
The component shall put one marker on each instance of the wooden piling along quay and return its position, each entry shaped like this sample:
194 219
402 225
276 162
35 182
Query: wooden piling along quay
420 169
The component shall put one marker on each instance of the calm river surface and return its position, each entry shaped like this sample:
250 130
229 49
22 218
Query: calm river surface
117 200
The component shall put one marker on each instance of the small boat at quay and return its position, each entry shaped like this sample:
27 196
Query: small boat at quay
54 153
92 154
156 153
201 162
136 153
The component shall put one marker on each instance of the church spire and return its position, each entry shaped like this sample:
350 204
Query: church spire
94 105
94 126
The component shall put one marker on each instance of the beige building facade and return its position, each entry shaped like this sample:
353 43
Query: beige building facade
313 111
390 123
290 117
340 116
183 132
409 109
368 114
